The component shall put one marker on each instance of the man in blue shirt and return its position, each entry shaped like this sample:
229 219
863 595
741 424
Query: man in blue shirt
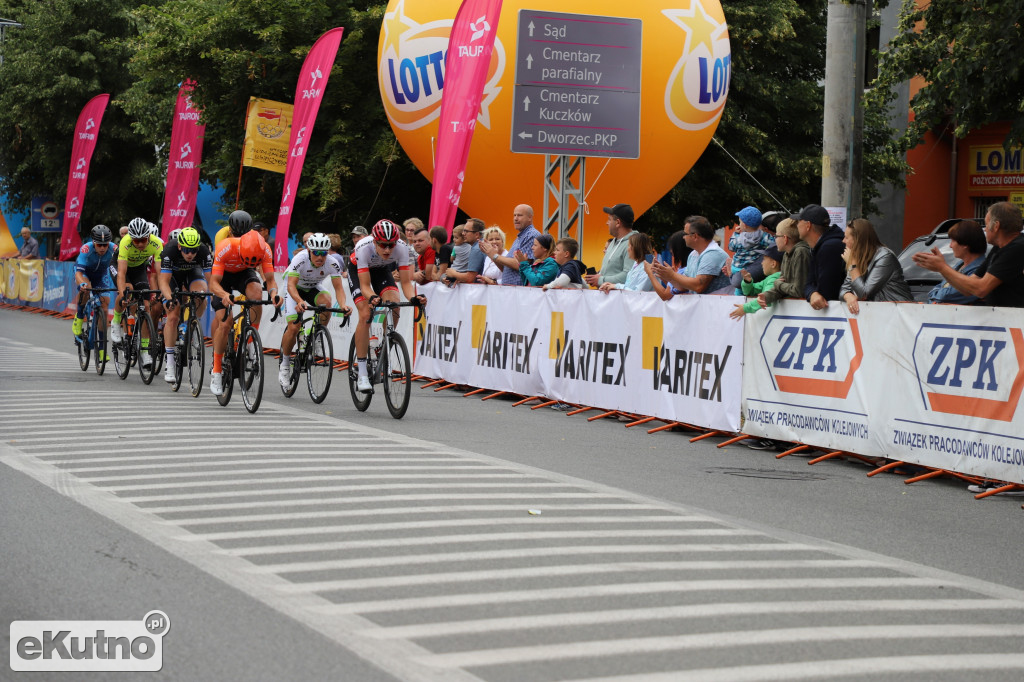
522 218
92 269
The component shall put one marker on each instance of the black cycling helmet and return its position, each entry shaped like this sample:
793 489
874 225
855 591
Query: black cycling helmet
240 222
100 234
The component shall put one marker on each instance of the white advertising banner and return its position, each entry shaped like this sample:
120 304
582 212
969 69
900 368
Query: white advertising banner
677 360
935 385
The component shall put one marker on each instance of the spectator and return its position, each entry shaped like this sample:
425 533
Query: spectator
999 281
442 251
475 258
336 252
460 249
745 244
616 263
30 245
302 247
411 226
262 228
640 248
703 272
771 260
825 276
495 237
967 240
522 218
679 251
425 257
873 271
570 270
543 269
358 232
796 261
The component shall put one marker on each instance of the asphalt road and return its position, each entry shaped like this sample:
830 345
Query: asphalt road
474 540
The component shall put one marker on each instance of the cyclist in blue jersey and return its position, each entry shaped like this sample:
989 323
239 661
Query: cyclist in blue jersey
92 270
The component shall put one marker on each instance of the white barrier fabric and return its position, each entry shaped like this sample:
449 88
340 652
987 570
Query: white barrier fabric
935 385
677 360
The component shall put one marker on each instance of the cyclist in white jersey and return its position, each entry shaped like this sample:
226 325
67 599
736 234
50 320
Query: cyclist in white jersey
304 287
369 280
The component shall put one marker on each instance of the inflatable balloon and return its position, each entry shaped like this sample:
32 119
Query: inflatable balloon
685 73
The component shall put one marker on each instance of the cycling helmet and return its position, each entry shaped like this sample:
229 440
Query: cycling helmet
240 222
173 236
153 229
189 238
251 248
100 234
319 240
385 231
138 228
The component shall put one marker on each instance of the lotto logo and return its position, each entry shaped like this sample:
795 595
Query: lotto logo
970 370
89 646
812 355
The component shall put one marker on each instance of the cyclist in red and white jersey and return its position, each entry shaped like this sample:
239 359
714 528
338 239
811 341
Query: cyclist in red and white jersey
369 280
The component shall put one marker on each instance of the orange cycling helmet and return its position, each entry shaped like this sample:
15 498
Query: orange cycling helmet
251 249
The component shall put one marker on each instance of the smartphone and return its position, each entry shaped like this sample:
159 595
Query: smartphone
591 271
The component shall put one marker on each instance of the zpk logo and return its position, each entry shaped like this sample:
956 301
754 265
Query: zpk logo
970 370
812 355
696 91
412 68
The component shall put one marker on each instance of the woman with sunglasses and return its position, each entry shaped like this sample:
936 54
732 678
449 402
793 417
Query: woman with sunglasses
185 265
304 287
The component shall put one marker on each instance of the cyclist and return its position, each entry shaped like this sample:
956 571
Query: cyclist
234 269
184 266
92 269
370 280
304 287
136 251
239 222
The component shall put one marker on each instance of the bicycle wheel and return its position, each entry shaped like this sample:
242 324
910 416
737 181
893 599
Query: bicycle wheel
320 366
250 370
361 400
179 360
122 351
82 342
227 366
396 375
298 360
195 353
144 329
99 346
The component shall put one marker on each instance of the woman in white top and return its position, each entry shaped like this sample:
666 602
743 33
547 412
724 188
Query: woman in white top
640 246
492 271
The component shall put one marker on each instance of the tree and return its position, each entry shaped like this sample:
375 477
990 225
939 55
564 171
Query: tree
65 53
968 56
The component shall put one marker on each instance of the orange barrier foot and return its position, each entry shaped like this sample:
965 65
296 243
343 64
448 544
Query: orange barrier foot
791 451
836 453
638 422
543 404
1009 487
737 439
444 387
577 411
494 395
526 400
474 392
924 477
610 413
702 436
885 467
435 382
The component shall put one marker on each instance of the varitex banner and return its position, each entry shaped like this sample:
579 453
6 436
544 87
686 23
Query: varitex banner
934 385
309 92
630 351
86 130
186 154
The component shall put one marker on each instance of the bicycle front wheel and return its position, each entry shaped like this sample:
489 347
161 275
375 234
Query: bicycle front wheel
396 375
250 370
99 346
321 365
144 330
195 356
361 400
122 351
83 345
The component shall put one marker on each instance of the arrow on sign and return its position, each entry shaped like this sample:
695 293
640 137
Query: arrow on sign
523 135
526 104
529 61
531 29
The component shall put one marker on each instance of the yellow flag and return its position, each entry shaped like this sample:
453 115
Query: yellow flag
268 128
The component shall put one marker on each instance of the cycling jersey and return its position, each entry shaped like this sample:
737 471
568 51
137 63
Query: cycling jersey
228 258
134 256
222 234
91 263
172 261
365 255
310 277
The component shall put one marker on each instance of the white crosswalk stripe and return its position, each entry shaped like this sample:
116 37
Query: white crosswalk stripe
470 568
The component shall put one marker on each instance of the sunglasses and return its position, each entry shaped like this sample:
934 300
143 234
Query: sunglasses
140 240
318 252
187 250
385 245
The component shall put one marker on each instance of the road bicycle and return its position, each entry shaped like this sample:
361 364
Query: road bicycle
387 362
93 339
244 356
136 327
189 347
314 354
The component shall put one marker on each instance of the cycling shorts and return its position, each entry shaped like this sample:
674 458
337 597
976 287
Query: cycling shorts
380 279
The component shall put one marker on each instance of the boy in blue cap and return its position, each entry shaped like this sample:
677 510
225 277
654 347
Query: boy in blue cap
748 239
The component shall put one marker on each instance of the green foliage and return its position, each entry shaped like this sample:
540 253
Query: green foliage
66 53
968 55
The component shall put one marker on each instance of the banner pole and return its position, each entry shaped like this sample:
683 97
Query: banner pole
241 162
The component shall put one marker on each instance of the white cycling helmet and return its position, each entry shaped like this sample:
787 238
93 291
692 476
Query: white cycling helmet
172 238
318 240
153 229
138 228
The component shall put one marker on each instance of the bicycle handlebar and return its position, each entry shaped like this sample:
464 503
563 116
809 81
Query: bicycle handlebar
388 305
317 309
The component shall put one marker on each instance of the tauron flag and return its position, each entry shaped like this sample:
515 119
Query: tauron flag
183 163
84 144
